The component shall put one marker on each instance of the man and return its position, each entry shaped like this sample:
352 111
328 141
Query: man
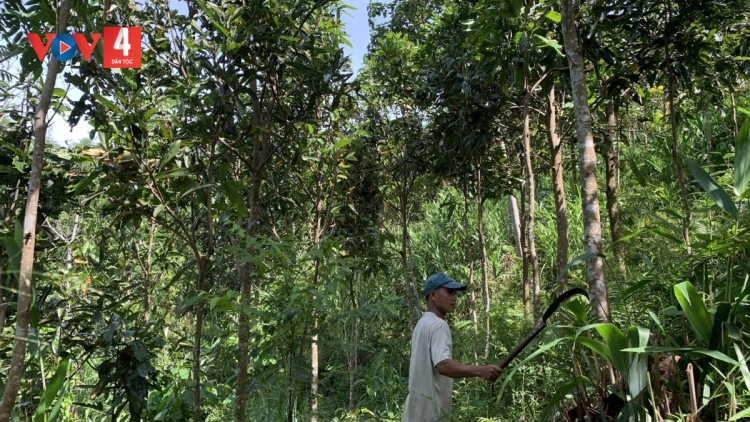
432 367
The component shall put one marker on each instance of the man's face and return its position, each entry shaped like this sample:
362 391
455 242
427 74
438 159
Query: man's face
445 299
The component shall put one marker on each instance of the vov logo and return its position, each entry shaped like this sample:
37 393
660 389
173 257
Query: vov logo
122 46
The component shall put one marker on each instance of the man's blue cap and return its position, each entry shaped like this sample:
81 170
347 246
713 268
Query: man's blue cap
439 280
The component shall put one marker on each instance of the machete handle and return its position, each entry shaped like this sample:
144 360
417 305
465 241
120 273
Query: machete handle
522 345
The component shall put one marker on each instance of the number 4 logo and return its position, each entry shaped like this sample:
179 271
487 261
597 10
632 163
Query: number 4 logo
122 47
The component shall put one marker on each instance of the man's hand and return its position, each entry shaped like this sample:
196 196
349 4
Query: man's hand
453 369
490 372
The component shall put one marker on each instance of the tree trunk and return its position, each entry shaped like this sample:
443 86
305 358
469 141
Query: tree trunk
592 233
515 223
483 260
709 159
611 174
675 150
470 260
246 284
3 306
204 264
530 217
404 203
524 254
353 354
15 371
515 219
316 279
147 278
558 190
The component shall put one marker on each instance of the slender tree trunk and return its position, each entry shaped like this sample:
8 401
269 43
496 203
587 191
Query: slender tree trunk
147 278
558 190
246 284
15 371
531 216
734 115
709 159
675 149
611 174
524 254
515 223
204 264
515 219
483 260
3 306
592 233
353 353
470 259
404 203
316 280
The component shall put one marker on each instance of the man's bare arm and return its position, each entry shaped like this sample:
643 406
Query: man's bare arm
453 369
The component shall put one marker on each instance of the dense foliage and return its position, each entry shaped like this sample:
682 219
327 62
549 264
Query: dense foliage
246 233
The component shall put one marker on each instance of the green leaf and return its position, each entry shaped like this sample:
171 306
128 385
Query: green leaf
616 342
687 350
712 188
178 172
742 160
158 210
171 153
195 188
110 105
597 346
53 386
550 43
740 415
637 367
636 172
83 184
561 391
555 17
580 259
743 366
14 254
515 368
232 189
695 310
342 143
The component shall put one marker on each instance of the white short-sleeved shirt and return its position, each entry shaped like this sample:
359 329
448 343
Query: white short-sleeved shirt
430 396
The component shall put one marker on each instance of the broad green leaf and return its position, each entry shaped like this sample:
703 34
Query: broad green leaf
637 368
537 352
743 365
342 143
636 172
178 172
110 105
616 342
712 188
232 189
597 346
560 392
550 43
695 310
53 386
14 254
195 188
83 184
742 160
173 150
158 210
553 16
579 259
739 416
687 350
